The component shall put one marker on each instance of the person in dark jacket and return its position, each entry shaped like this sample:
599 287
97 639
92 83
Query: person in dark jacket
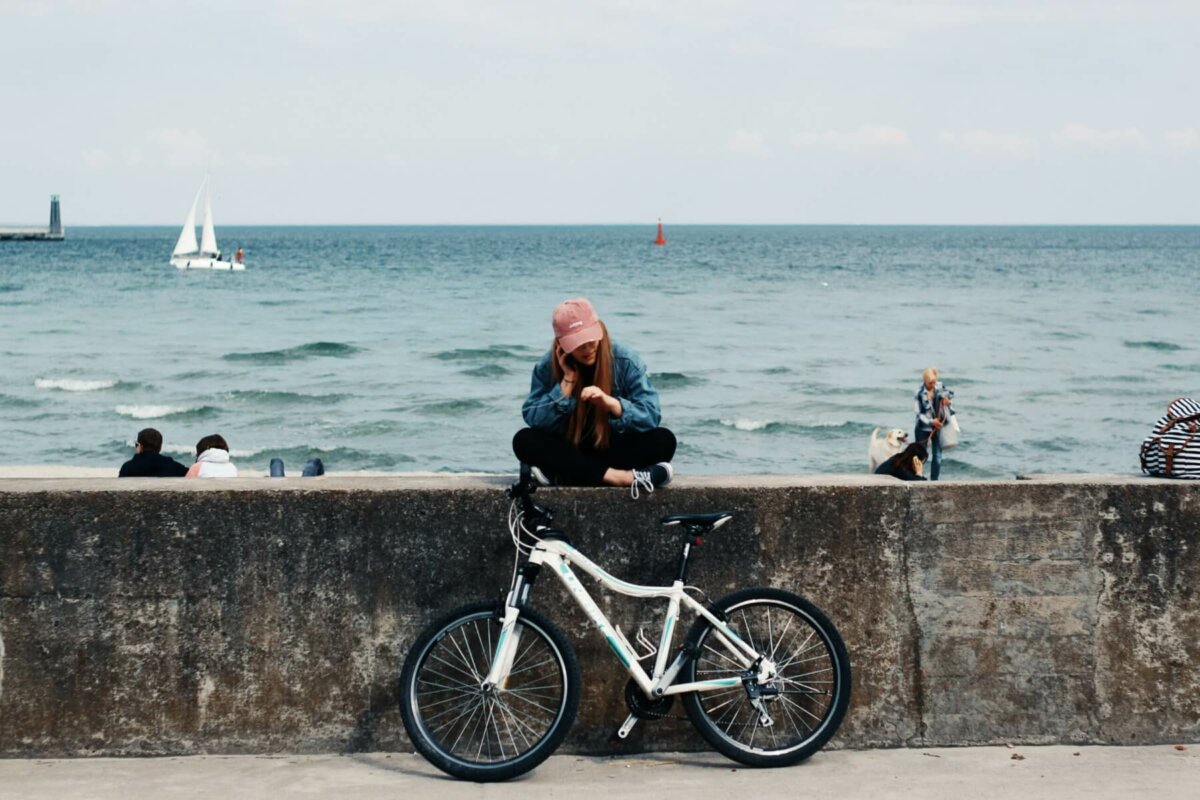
907 465
148 460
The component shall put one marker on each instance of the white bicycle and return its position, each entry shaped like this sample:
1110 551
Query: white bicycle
490 690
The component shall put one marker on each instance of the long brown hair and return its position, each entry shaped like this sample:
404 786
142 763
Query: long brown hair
586 416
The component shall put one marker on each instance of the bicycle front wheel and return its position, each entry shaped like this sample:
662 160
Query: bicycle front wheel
493 735
805 703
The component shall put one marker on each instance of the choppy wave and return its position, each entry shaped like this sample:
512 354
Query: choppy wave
198 374
674 380
487 371
1169 347
167 412
452 408
1060 444
284 398
304 351
74 384
517 352
769 426
8 401
6 288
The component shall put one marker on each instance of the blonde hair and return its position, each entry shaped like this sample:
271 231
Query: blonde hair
586 415
930 372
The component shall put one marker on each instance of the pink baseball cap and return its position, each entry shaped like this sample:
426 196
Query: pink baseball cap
576 323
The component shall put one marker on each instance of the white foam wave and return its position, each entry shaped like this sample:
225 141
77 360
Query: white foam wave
149 412
73 384
743 424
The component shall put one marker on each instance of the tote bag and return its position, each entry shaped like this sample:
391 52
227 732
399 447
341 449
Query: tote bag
949 432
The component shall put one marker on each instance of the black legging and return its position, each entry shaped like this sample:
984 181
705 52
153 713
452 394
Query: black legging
568 465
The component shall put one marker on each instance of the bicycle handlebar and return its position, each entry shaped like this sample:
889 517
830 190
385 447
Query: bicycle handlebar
523 490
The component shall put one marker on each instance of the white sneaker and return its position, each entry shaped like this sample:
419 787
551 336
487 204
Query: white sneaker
650 478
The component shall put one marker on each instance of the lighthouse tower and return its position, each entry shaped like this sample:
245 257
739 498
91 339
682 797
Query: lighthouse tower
56 228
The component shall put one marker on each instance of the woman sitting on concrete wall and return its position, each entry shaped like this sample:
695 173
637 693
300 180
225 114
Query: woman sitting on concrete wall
212 459
592 412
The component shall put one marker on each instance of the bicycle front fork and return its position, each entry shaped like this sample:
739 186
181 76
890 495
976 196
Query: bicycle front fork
510 633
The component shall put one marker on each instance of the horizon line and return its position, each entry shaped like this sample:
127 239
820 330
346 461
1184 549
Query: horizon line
640 225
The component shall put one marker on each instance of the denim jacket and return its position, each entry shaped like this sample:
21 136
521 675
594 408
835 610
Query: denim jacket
926 411
547 408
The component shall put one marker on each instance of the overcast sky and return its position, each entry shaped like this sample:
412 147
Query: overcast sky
450 111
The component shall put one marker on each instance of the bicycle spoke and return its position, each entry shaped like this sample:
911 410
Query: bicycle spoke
481 727
451 677
737 666
799 697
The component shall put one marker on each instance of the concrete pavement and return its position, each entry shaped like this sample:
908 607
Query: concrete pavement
1055 772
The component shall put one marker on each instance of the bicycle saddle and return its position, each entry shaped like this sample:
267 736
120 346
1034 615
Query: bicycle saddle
710 521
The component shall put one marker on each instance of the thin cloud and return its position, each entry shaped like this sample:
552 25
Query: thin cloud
1186 139
1079 135
990 144
97 158
183 148
867 139
748 143
264 160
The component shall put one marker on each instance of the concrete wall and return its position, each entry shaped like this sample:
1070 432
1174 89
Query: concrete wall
247 616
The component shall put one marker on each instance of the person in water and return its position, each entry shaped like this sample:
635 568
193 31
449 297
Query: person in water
907 465
148 460
593 414
212 459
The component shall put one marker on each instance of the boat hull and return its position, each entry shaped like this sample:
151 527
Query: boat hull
207 263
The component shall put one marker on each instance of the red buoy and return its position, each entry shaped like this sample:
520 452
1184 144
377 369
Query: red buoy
661 239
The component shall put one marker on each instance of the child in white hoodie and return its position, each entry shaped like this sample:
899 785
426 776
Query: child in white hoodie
212 459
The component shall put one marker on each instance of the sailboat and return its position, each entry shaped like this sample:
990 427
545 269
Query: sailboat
187 254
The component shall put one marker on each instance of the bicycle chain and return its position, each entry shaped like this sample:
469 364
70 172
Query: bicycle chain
644 708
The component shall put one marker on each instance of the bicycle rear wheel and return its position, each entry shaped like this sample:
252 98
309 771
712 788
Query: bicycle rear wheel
806 701
495 735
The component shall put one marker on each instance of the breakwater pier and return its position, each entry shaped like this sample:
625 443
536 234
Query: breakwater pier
250 616
52 233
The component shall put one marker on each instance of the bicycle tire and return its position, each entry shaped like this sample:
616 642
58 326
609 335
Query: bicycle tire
437 697
820 692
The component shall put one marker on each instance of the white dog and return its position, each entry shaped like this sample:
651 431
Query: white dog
880 450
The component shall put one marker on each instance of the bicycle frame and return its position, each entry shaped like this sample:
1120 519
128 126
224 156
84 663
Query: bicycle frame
559 557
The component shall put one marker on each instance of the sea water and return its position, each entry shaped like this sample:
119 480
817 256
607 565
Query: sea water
774 349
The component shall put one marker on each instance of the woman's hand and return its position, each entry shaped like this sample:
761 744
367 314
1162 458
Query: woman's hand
570 373
937 424
594 394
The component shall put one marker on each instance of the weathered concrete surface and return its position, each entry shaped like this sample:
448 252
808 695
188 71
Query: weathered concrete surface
239 616
979 773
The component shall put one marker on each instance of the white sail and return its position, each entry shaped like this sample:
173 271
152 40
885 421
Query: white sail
187 236
208 238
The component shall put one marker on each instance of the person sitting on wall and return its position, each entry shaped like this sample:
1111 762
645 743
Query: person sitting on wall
592 412
907 465
148 460
212 459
